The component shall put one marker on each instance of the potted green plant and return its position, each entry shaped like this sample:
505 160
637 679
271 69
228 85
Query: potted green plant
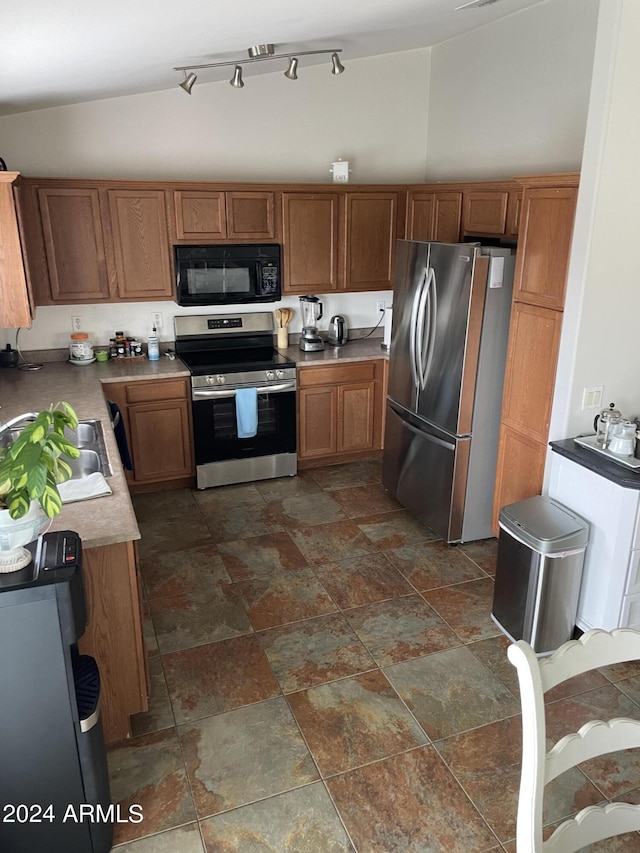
31 467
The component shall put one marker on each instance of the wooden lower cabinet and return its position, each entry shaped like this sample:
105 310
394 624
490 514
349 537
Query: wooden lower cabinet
340 411
114 634
157 416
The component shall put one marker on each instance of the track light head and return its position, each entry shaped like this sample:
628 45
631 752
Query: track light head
236 81
291 72
338 67
187 83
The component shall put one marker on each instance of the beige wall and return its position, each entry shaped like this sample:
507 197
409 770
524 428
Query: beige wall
512 97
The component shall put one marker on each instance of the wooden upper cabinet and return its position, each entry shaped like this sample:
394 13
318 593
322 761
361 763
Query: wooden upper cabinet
310 242
218 215
200 214
485 212
542 261
434 216
514 213
370 227
74 244
140 244
15 291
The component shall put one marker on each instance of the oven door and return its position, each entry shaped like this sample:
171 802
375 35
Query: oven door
215 427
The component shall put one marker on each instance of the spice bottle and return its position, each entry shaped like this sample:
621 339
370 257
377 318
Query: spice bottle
153 349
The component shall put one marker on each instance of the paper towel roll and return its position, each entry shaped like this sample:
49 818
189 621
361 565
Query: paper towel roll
386 337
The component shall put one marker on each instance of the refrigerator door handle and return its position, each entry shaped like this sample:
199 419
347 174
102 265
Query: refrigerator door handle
428 312
432 438
417 329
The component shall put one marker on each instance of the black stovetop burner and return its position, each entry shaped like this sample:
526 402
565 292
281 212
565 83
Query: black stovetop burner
202 362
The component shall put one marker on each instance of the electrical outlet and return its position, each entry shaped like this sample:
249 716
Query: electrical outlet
592 397
76 324
380 306
156 319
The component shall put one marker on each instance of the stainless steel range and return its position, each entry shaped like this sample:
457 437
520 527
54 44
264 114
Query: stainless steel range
224 353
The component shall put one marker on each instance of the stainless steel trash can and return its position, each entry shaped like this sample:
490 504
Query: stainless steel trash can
541 548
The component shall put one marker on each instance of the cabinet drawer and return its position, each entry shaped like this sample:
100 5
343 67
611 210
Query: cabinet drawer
359 371
630 615
149 392
633 577
636 534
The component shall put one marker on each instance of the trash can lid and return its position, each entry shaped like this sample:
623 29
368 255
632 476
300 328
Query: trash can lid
545 525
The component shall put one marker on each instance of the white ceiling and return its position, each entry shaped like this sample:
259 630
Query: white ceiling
55 52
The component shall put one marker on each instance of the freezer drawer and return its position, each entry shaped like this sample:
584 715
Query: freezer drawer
426 470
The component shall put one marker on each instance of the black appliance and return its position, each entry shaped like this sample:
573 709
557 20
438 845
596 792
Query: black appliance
227 275
225 352
52 751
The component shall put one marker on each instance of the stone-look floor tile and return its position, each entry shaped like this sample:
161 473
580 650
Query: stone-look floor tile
313 652
603 703
183 621
184 839
409 803
354 721
466 607
615 774
179 572
394 529
163 536
347 474
245 755
483 552
486 762
284 597
151 506
218 677
362 580
300 511
227 523
493 654
620 671
149 771
260 555
226 496
300 821
451 692
287 487
159 716
433 564
327 543
400 629
150 642
361 501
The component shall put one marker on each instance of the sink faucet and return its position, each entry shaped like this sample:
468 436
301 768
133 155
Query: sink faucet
19 419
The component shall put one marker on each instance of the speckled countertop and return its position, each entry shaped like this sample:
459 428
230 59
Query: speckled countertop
111 519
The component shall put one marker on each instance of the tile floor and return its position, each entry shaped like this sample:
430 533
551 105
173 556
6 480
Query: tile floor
326 677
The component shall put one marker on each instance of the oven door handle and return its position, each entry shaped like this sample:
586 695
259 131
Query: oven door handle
198 394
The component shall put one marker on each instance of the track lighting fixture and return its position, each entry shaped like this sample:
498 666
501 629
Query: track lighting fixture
258 53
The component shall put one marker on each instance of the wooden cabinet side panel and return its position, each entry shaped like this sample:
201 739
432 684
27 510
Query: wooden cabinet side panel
317 422
370 235
199 214
519 470
356 417
161 440
251 215
534 338
15 309
310 242
140 244
114 634
542 260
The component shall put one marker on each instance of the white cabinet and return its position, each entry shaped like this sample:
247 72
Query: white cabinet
610 592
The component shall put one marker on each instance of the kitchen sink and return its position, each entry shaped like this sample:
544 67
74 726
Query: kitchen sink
88 437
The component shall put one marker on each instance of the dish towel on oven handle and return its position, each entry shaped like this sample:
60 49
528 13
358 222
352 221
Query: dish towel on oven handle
247 412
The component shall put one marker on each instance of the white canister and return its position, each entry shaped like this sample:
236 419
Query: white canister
80 347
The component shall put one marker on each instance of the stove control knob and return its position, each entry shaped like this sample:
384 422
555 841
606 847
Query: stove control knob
270 375
280 374
209 380
220 380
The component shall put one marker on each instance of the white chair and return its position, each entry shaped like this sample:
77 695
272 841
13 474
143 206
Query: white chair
539 767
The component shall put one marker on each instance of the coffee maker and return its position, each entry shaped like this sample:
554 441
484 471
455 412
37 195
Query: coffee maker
311 312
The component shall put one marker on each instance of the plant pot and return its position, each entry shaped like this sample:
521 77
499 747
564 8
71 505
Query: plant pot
17 532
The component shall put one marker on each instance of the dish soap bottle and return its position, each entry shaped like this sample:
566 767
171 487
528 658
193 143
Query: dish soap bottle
153 350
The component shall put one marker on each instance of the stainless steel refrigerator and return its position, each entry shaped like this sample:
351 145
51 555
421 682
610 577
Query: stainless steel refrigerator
451 309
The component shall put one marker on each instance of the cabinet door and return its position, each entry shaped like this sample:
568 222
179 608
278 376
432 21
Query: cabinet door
519 470
485 212
370 234
15 301
200 214
514 213
140 244
542 260
74 244
310 242
356 412
160 440
420 213
251 215
434 216
317 422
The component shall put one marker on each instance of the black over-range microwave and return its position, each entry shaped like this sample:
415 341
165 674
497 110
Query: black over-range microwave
227 275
